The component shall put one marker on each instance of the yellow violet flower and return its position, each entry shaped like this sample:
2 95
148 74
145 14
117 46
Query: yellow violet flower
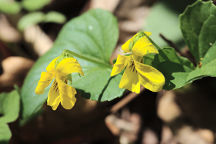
139 45
60 91
137 73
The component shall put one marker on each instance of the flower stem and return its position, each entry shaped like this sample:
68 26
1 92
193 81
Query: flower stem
152 41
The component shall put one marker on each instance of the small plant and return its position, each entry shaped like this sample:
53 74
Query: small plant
34 16
79 61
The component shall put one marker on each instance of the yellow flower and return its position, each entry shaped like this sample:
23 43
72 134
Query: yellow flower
139 45
60 91
137 73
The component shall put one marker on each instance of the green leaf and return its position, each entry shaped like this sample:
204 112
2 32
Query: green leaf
9 106
210 55
9 7
9 112
30 19
175 68
32 5
207 33
91 37
163 20
198 27
55 17
199 30
179 71
207 68
39 17
5 133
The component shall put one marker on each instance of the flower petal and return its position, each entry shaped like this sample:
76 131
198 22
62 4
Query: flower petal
148 33
143 46
52 65
150 77
120 64
67 94
56 103
125 46
68 66
130 80
53 96
44 82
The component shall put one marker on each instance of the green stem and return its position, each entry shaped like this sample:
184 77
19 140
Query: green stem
94 60
152 41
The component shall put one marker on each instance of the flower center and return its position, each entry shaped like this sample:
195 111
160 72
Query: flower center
131 64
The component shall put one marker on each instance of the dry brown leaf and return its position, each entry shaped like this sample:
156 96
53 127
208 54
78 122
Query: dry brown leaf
14 71
109 5
7 32
168 110
38 39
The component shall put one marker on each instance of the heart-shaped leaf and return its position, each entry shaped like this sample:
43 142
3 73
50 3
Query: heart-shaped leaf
198 27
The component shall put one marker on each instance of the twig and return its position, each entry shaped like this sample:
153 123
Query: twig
171 44
124 101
